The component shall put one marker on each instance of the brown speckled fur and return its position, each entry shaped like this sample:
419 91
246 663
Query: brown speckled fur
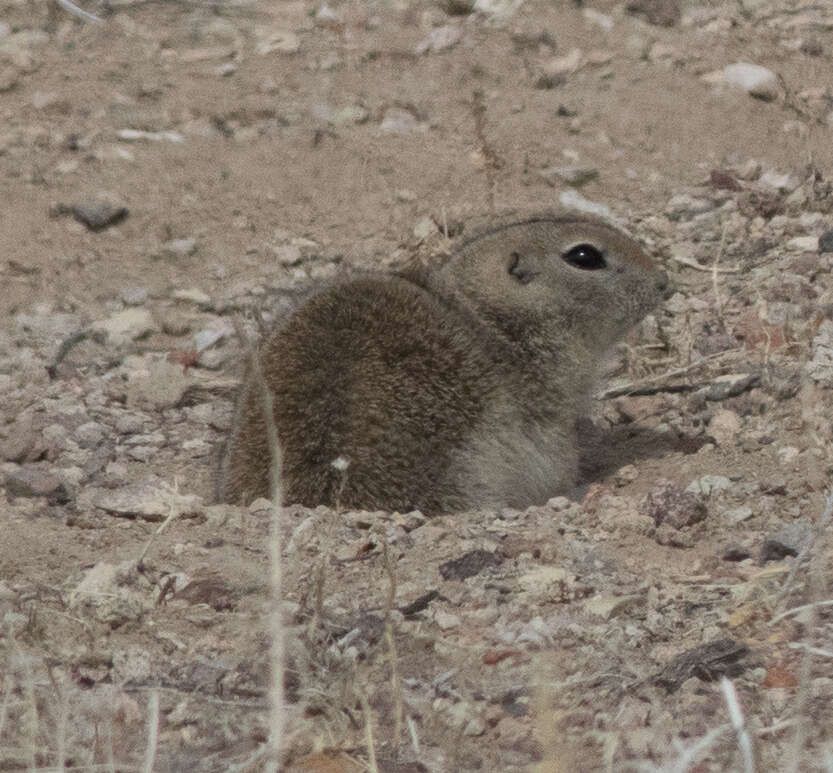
448 388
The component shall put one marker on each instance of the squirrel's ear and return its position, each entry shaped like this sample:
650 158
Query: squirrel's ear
520 268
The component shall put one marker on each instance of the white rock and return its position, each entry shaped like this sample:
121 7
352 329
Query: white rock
787 454
602 20
90 434
424 228
193 295
560 66
216 331
498 8
397 120
445 620
186 246
138 135
440 39
785 183
709 484
160 385
134 296
736 515
804 243
755 80
127 325
724 427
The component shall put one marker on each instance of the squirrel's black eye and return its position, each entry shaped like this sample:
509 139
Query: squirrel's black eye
586 257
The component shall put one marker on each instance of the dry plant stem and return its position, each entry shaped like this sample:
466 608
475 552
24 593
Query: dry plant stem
490 159
718 303
276 723
61 730
111 755
172 515
646 382
396 684
797 645
799 562
686 758
817 582
153 732
737 719
7 694
372 766
414 737
79 12
29 692
799 610
710 269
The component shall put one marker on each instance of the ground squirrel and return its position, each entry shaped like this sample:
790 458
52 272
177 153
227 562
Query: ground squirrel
445 388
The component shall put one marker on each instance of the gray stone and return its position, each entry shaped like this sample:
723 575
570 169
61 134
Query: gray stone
572 175
161 385
826 241
100 212
150 499
20 439
820 366
707 485
91 434
32 481
134 296
672 506
724 427
730 384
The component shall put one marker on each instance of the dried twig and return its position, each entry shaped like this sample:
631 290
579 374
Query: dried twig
799 610
79 12
153 732
826 517
710 269
491 162
817 576
64 349
372 766
277 720
639 387
736 717
396 684
172 515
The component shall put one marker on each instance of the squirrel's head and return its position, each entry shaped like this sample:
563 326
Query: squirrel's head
563 274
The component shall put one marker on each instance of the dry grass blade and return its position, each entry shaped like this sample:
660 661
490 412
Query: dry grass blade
686 756
396 684
709 269
644 383
817 582
79 12
172 515
372 765
153 732
739 724
276 723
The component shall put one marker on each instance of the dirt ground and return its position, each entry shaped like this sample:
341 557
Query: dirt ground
183 164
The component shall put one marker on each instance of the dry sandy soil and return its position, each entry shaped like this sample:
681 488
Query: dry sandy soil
225 155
